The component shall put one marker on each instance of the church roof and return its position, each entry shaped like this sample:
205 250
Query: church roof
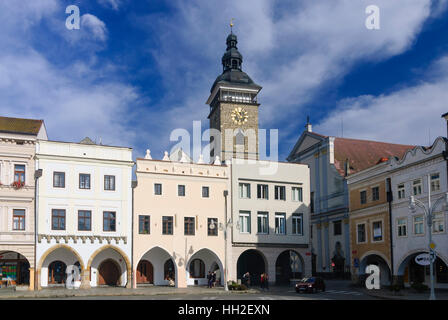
19 125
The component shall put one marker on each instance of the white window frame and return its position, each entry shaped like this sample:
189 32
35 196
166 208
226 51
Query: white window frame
365 232
401 191
423 225
246 217
297 194
401 225
435 181
373 230
279 216
416 185
244 193
265 215
297 217
438 217
264 195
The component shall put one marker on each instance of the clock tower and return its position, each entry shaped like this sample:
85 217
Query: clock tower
233 109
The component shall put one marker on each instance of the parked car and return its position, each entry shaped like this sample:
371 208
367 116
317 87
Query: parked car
312 284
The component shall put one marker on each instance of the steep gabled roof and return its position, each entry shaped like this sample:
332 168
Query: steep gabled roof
19 125
363 154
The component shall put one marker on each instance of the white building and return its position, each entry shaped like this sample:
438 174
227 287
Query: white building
409 176
84 213
270 214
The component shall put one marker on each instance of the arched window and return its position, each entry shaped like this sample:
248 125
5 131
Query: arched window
197 269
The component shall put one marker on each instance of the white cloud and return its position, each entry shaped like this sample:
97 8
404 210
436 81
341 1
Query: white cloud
114 4
410 115
95 26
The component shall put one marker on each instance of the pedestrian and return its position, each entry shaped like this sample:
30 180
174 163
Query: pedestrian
209 279
213 278
262 281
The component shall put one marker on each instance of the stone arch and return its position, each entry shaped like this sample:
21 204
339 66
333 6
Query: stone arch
377 253
209 257
119 251
379 259
158 256
253 269
405 258
283 261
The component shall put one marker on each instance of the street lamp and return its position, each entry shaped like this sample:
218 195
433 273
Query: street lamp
429 211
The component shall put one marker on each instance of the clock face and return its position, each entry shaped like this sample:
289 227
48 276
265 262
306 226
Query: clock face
239 116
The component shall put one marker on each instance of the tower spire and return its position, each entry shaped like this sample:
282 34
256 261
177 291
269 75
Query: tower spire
231 25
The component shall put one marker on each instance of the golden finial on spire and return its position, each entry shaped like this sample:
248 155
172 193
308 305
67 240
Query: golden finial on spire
231 25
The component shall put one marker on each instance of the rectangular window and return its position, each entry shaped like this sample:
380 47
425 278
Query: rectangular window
212 226
363 197
189 226
417 187
84 220
109 183
244 190
262 223
262 191
181 190
167 225
59 179
402 227
280 192
361 233
297 224
375 193
280 223
205 192
158 189
418 225
58 219
18 219
84 181
377 230
401 191
337 228
438 223
143 224
19 173
244 221
109 221
297 194
435 182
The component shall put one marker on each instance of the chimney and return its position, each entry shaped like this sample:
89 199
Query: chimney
446 118
308 126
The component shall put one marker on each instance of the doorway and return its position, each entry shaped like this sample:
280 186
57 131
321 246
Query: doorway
109 273
145 272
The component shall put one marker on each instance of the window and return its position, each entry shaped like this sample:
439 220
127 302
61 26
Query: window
18 219
438 223
262 191
280 223
402 227
143 224
297 224
244 221
181 190
157 189
19 173
109 183
244 190
297 194
401 191
417 187
58 219
435 182
375 193
212 226
337 228
167 225
197 269
59 179
377 231
361 233
363 197
418 225
263 223
84 220
109 219
84 181
205 192
280 193
189 226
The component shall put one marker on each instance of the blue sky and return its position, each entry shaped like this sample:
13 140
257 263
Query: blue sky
136 70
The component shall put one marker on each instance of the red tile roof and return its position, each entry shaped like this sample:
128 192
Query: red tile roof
363 154
18 125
